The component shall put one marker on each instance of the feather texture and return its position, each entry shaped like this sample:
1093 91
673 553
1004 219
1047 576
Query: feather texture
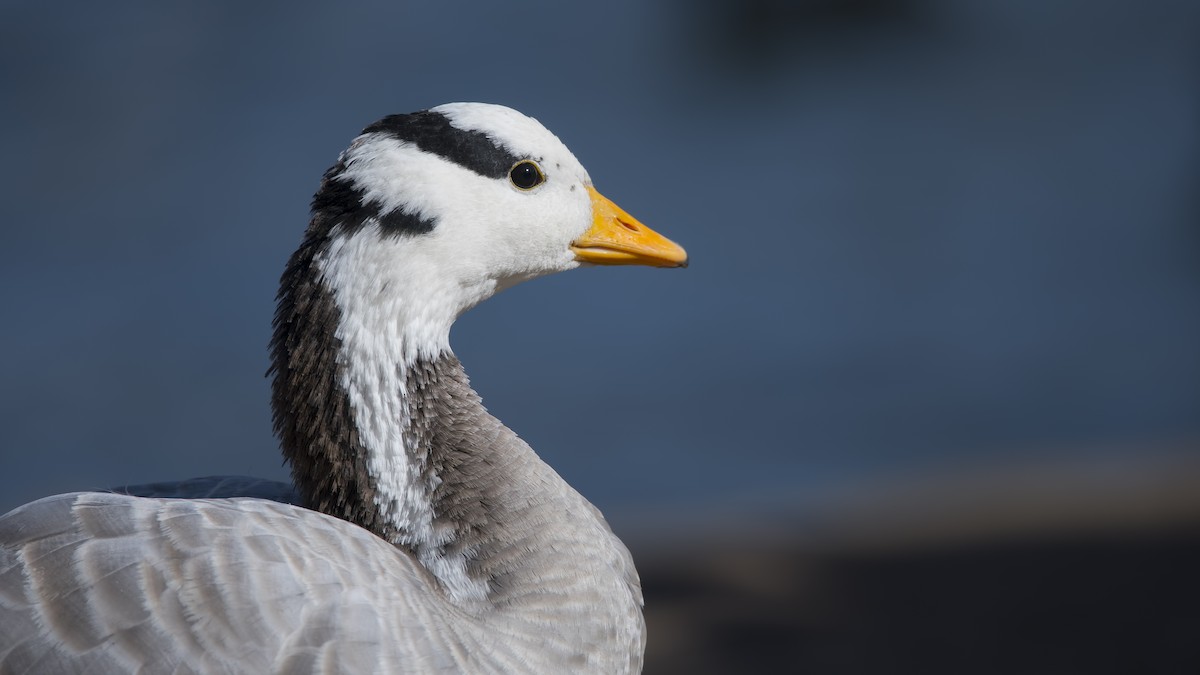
111 583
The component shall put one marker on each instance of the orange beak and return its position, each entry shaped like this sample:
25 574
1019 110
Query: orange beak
617 238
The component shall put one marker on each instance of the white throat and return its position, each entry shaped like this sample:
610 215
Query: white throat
392 316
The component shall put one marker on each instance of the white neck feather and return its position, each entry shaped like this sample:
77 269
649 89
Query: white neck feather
391 317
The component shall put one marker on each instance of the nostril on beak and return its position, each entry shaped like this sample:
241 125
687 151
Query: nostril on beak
629 226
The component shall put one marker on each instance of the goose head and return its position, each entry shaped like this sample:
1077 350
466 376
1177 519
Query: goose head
433 212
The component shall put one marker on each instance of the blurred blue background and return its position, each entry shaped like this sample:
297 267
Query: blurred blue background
930 240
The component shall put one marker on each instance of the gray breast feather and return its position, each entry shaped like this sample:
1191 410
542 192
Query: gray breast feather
110 583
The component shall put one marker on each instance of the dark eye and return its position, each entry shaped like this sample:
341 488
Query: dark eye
526 175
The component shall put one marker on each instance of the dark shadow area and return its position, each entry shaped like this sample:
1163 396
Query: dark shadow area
1066 590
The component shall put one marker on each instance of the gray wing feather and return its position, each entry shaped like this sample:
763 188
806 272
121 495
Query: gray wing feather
99 582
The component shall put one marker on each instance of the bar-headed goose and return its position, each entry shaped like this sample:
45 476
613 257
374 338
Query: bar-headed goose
434 539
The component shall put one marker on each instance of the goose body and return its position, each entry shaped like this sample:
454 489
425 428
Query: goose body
420 534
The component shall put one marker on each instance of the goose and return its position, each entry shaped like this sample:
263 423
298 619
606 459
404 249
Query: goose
419 534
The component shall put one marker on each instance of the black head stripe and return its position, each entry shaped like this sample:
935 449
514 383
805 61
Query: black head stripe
339 202
432 132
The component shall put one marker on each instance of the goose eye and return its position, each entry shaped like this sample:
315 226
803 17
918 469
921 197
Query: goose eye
526 175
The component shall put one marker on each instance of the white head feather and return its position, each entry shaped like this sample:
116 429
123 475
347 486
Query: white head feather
488 234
